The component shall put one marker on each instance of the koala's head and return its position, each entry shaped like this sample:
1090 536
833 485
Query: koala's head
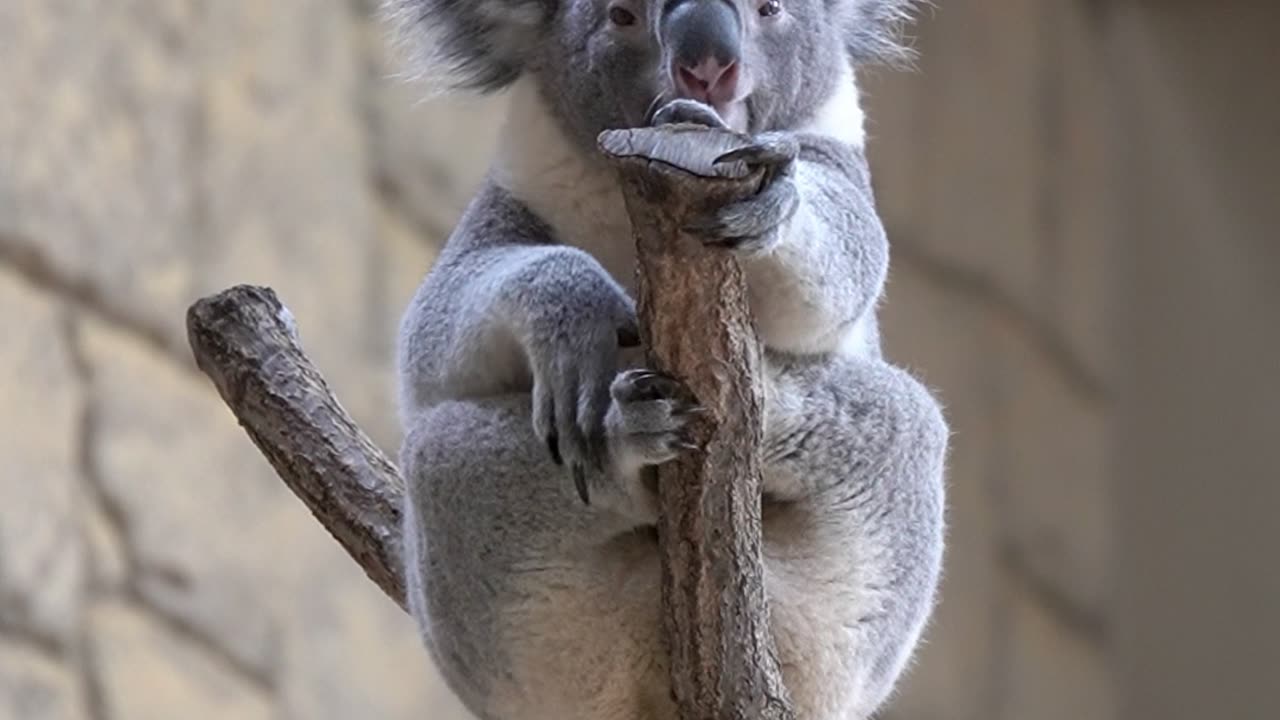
600 64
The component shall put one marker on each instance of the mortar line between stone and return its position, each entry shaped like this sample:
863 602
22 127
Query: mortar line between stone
1085 623
190 634
972 285
25 259
90 484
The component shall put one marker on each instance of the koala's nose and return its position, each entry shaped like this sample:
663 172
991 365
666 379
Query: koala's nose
709 81
704 40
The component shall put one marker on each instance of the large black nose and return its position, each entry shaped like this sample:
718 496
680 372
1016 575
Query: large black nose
704 39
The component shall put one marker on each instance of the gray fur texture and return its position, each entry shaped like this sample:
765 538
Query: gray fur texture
530 424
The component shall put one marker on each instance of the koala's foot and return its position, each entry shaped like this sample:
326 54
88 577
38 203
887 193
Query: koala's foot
647 418
646 425
754 226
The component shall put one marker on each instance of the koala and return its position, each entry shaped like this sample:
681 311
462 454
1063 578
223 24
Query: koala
531 423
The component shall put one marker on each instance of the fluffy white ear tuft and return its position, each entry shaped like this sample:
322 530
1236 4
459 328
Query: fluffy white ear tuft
453 45
874 29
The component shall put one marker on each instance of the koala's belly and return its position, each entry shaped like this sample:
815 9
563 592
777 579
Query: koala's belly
584 640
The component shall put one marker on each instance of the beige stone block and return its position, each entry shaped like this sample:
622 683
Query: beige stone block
957 144
145 672
1082 156
349 651
402 258
226 549
33 687
897 103
1052 472
42 563
96 145
108 556
194 495
285 178
944 341
1051 673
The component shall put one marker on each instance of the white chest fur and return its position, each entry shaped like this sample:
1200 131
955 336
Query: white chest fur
580 199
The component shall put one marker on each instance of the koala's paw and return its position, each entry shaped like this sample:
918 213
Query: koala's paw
684 110
646 424
754 226
573 366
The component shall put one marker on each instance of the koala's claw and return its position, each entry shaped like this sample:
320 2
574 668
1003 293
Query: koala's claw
643 385
684 110
572 370
580 483
553 444
648 420
752 226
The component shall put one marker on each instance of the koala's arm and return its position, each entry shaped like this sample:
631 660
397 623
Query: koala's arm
507 308
814 291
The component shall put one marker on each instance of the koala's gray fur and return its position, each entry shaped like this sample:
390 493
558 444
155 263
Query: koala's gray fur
521 396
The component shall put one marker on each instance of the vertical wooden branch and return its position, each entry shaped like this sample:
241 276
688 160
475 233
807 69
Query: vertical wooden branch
696 326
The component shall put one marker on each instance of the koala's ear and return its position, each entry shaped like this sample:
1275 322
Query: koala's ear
467 44
873 29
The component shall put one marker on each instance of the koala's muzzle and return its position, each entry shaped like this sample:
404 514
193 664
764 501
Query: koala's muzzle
703 39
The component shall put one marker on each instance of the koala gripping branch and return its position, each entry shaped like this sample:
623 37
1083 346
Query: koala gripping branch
696 326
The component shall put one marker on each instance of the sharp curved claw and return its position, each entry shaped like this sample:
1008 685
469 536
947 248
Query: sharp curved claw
652 112
683 110
765 153
553 445
580 482
692 409
686 441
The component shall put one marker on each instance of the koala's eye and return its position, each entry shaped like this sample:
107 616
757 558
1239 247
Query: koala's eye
621 16
770 8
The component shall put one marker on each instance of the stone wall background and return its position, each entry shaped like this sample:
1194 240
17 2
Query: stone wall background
153 151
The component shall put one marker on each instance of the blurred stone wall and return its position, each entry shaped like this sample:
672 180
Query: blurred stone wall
153 151
991 164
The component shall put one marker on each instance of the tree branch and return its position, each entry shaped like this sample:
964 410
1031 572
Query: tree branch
245 340
696 325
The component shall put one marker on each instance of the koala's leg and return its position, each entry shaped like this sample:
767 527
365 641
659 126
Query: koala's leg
533 604
854 458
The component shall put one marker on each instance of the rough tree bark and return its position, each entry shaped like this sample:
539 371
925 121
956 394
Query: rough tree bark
245 340
695 325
